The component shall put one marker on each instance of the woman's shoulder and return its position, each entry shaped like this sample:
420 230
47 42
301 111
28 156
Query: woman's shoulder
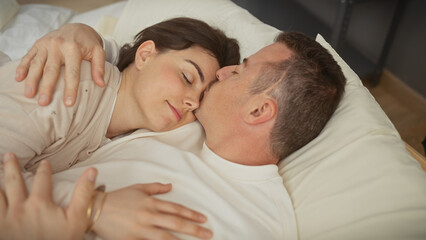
111 76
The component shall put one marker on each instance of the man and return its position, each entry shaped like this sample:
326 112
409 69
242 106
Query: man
256 114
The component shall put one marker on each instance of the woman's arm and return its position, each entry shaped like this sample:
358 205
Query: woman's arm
128 213
134 213
36 216
68 46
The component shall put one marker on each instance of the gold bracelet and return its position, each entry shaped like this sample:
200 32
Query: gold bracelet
89 211
98 209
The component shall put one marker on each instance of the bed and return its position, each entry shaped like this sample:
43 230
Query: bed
356 180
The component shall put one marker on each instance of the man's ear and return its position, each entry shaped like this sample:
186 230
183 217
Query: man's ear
260 111
145 50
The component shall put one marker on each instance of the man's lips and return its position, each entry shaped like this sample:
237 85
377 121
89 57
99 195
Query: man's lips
175 112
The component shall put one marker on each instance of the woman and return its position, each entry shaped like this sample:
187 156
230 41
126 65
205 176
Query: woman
163 75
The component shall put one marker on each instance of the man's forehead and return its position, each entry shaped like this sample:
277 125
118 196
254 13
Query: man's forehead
272 53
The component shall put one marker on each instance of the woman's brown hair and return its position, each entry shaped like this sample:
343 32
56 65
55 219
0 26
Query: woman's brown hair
181 33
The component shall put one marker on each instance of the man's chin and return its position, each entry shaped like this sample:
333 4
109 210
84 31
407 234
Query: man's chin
197 114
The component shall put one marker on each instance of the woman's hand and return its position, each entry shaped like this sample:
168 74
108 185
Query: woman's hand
132 213
69 45
36 216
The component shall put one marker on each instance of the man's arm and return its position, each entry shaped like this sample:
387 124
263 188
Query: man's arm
68 46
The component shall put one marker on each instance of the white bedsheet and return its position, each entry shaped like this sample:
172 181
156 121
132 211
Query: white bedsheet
35 20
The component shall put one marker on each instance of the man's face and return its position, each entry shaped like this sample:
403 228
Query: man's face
222 106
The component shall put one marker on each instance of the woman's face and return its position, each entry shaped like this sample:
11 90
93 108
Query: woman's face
170 84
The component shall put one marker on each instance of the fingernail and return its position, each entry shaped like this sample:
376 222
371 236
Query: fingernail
43 99
68 101
28 90
202 218
91 176
206 233
7 157
18 75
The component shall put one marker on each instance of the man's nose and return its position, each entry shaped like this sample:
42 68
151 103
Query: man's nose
224 72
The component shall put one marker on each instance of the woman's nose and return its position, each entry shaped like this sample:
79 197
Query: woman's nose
224 72
191 103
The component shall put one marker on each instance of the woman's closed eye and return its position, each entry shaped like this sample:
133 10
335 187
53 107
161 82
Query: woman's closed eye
187 79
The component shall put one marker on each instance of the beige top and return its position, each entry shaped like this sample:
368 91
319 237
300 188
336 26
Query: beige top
63 135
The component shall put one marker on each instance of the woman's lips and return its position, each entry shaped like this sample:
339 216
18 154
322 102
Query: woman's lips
175 112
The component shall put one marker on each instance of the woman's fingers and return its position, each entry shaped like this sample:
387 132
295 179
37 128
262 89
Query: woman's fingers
174 216
154 188
3 204
181 225
42 184
179 210
14 185
155 233
181 219
82 193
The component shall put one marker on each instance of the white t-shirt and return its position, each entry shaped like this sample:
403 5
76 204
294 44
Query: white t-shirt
240 202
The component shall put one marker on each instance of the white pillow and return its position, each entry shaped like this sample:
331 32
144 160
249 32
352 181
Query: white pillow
235 21
31 23
106 25
355 180
8 9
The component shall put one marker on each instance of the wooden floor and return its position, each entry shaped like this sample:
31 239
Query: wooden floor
406 109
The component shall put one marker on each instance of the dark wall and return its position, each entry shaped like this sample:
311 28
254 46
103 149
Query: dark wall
367 30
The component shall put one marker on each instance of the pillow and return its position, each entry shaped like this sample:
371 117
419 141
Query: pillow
30 24
235 21
93 17
8 9
105 26
3 58
355 180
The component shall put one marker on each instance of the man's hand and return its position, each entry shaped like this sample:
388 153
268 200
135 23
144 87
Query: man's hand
132 213
36 216
68 45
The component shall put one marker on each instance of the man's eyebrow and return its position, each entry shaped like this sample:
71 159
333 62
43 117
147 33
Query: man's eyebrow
198 69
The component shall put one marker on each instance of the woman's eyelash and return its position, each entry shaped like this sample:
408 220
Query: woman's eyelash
186 78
